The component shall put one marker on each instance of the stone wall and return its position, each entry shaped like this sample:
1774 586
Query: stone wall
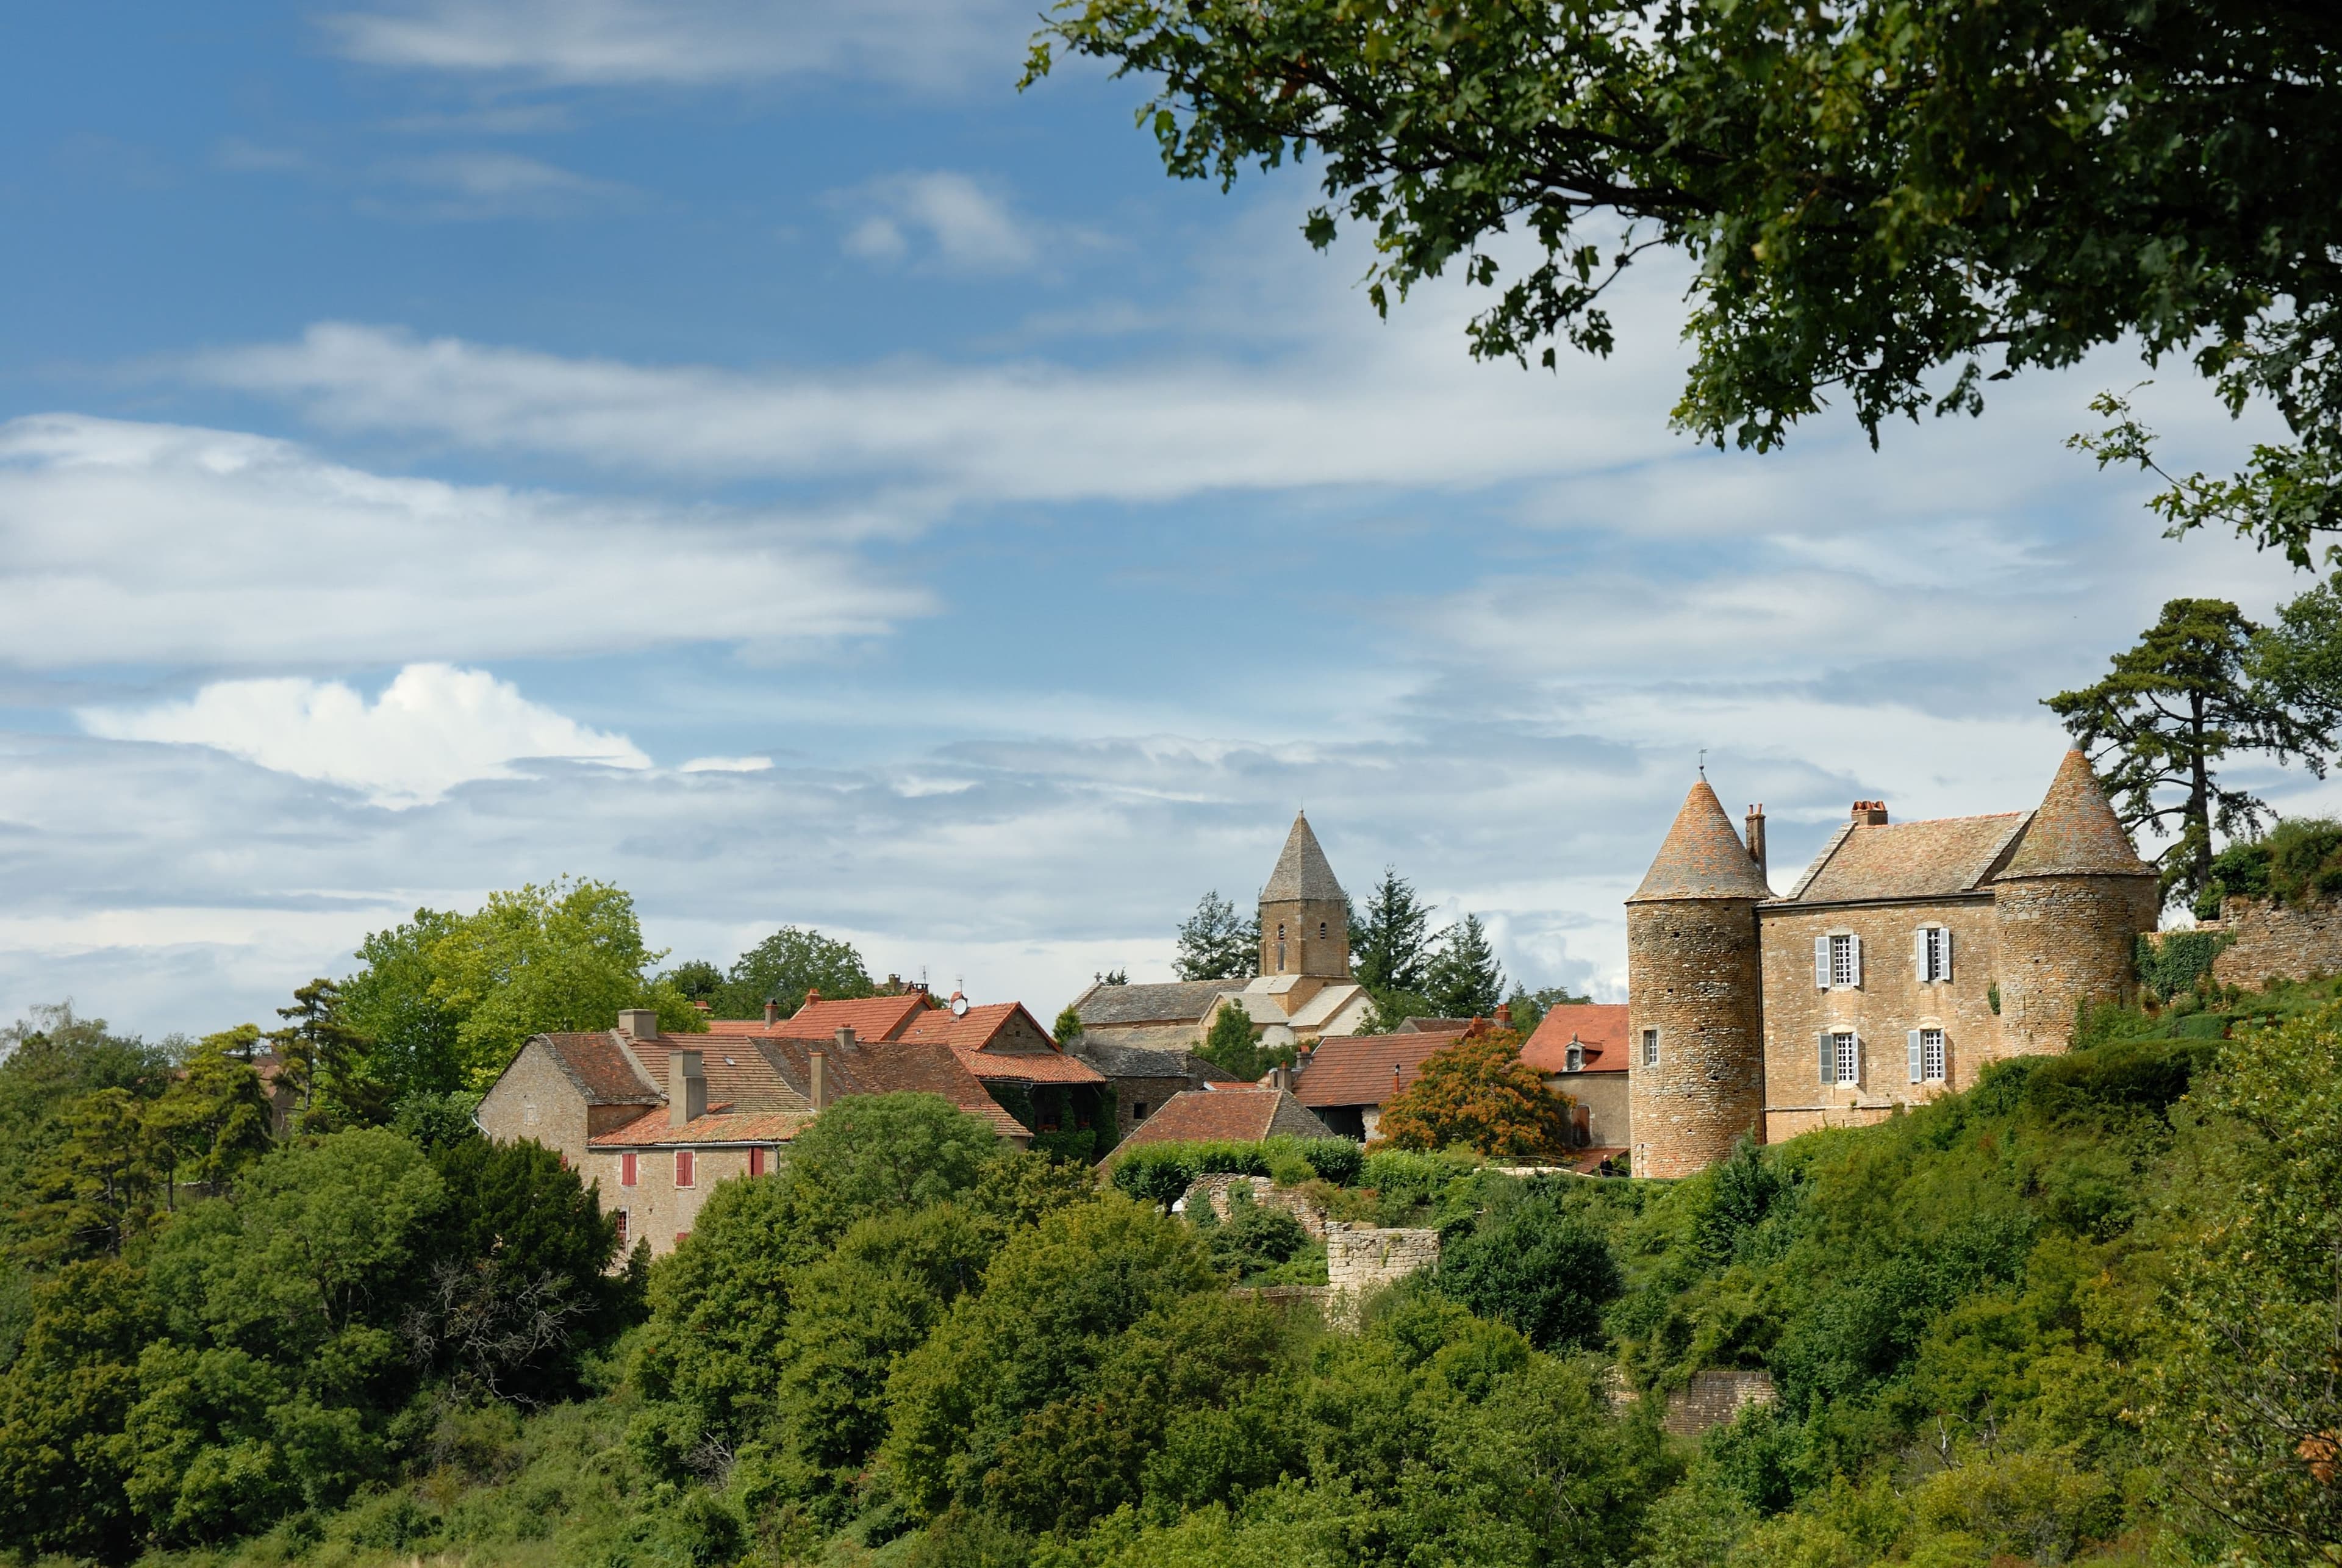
1890 1001
1713 1398
534 1100
1361 1258
2063 940
2290 941
1214 1191
1693 974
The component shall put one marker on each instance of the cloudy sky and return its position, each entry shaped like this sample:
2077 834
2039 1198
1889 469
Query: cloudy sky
745 451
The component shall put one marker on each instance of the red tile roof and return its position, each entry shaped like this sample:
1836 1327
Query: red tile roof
870 1017
723 1125
977 1028
894 1066
2074 832
1026 1066
1242 1114
1599 1026
1356 1069
1702 857
597 1065
738 1074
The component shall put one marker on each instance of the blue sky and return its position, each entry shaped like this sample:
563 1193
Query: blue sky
749 453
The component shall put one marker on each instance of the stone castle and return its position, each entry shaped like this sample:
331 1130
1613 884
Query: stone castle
1907 958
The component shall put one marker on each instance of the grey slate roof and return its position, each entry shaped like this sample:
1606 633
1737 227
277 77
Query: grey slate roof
1301 871
1178 1002
1118 1061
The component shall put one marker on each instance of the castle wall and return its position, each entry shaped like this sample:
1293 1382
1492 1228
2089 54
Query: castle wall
2301 941
1890 1002
1693 974
2064 939
1361 1258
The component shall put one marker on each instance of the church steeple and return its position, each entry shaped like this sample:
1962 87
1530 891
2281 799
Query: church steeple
1304 918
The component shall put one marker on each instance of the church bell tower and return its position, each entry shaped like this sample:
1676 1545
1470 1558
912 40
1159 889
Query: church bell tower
1304 918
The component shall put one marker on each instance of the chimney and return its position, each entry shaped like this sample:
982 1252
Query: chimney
638 1022
1504 1015
845 1038
772 1011
817 1078
686 1088
1870 813
812 997
1757 835
894 985
1281 1078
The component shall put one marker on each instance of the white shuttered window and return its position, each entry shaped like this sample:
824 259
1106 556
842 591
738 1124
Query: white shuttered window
1932 952
1841 1057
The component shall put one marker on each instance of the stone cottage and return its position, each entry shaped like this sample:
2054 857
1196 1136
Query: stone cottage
1581 1049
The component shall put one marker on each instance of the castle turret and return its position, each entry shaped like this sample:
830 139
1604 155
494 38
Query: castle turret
2068 905
1695 1005
1305 919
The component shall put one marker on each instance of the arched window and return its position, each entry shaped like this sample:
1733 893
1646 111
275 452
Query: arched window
1280 931
1321 931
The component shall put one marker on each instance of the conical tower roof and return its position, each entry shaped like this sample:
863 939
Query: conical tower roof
1702 857
1301 871
2074 832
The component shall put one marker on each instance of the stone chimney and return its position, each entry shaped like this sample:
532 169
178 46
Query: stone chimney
1870 813
772 1011
1504 1015
1281 1078
638 1022
845 1038
817 1078
1757 835
686 1088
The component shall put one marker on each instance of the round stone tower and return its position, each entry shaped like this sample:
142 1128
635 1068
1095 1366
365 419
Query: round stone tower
1695 995
2068 906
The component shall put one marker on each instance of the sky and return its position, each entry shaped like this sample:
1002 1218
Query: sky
749 453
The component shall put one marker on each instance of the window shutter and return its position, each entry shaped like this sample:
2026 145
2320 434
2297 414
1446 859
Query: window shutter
1947 949
1916 1068
1829 1060
1919 953
1857 961
1861 1075
1821 963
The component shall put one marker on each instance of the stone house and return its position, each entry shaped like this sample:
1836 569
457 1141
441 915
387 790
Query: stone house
1348 1081
1144 1081
1240 1114
1907 958
1581 1050
655 1121
1302 994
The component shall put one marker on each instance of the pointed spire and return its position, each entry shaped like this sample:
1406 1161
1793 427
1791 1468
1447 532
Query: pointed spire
1702 857
1301 871
2074 832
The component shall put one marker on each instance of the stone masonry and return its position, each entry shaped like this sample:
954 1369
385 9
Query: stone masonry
1213 1192
1713 1399
2300 941
1362 1258
2062 939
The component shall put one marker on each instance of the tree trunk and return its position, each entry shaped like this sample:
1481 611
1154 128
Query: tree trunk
2199 794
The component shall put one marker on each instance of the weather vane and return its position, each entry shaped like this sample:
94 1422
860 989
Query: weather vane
1703 762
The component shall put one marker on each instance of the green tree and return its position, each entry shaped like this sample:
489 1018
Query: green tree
697 980
101 1188
1479 1093
1539 1265
1217 943
48 1062
325 1061
1230 1043
1464 979
2165 716
1069 1026
567 955
413 1031
1390 944
63 1401
1870 193
215 1119
786 965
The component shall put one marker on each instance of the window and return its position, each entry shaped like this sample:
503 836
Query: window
529 1112
626 1169
1927 1056
1574 1061
1841 1057
619 1217
683 1162
755 1162
1650 1047
1932 953
1280 958
1837 961
1321 931
1138 1111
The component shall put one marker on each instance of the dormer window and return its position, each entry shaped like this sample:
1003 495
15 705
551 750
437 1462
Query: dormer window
1574 1060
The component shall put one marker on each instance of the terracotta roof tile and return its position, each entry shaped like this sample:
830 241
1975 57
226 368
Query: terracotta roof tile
1356 1069
1599 1027
1027 1066
721 1125
738 1074
870 1017
597 1065
2074 832
1242 1114
891 1067
1702 857
1933 858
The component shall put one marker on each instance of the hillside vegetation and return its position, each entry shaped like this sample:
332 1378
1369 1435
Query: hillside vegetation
2085 1311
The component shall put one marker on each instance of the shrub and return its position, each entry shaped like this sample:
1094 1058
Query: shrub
1539 1267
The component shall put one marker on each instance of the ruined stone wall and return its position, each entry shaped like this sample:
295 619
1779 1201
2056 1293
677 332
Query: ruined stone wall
1693 974
2301 941
1361 1258
1713 1398
1213 1192
2064 939
1890 1001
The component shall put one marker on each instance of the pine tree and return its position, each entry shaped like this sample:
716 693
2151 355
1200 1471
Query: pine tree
1390 946
1229 1045
1069 1026
1216 944
2169 712
323 1057
1464 979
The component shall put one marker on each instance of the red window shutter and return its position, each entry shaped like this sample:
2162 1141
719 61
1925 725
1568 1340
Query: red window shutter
755 1162
620 1216
626 1169
683 1167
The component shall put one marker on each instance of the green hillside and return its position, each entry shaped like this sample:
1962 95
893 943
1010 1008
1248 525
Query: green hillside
2091 1310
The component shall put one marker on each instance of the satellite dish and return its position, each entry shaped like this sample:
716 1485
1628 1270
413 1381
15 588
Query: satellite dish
958 1005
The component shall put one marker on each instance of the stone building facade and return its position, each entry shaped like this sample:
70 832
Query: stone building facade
1905 959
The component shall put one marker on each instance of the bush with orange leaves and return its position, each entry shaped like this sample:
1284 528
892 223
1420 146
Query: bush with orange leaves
1480 1093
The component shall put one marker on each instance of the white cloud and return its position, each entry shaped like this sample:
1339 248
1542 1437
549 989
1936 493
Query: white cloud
129 544
966 226
727 765
499 184
925 44
434 727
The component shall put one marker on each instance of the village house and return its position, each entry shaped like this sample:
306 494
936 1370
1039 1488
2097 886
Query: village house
1239 1113
1347 1082
1908 958
1580 1048
1144 1080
